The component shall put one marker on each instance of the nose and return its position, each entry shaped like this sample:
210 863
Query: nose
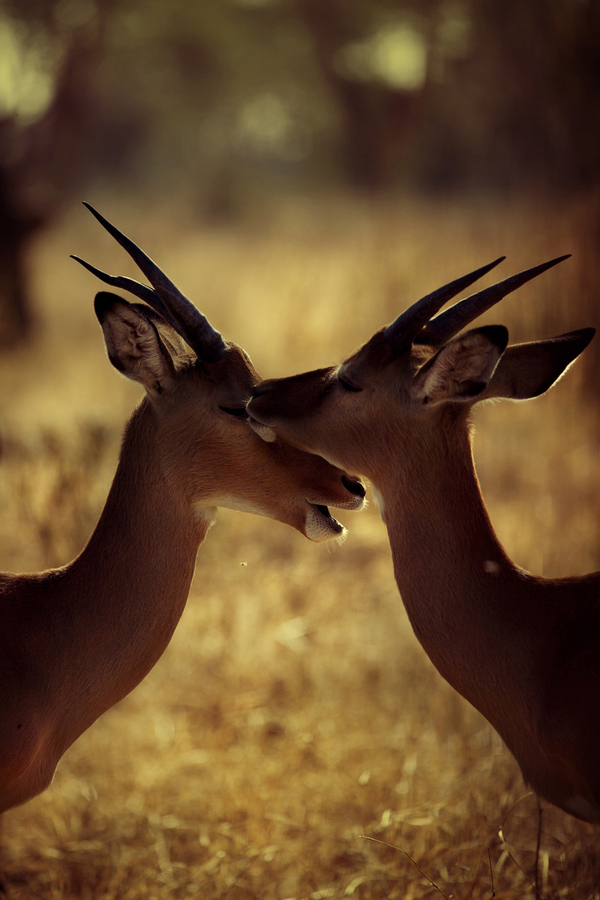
355 487
259 390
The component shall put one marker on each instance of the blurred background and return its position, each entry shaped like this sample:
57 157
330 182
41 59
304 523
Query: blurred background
228 105
303 170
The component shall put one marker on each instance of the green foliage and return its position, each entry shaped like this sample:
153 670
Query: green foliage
436 95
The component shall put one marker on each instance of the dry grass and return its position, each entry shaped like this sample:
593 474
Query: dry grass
294 741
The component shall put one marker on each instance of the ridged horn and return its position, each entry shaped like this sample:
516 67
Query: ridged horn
403 330
447 324
166 298
128 284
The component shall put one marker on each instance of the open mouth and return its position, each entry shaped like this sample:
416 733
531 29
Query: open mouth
330 520
320 524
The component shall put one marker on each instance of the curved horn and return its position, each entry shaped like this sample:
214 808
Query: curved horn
403 330
447 324
189 322
128 284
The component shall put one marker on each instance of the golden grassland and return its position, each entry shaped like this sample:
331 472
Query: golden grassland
294 741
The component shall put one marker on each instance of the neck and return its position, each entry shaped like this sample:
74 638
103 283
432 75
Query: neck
128 588
456 581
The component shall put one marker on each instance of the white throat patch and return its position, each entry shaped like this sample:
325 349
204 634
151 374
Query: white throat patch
379 501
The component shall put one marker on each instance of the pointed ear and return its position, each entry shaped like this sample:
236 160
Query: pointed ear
528 370
462 369
133 343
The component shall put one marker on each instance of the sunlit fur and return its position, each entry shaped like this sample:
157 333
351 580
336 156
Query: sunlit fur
524 650
75 640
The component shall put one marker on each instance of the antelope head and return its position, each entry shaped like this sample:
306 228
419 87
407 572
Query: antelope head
197 387
412 378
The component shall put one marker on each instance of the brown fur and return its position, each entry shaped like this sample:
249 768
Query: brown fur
524 650
75 640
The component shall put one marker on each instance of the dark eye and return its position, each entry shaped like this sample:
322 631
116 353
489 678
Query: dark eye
347 386
238 411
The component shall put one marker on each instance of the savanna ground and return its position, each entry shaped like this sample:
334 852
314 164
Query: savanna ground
294 741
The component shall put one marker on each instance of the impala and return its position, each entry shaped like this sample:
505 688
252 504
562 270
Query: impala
75 640
524 650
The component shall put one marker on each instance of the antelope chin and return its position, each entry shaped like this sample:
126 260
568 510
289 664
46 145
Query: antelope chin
263 431
321 526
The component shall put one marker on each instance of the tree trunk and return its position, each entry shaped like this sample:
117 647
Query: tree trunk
41 165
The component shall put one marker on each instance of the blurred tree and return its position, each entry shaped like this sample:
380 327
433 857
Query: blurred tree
51 51
516 103
374 62
213 101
